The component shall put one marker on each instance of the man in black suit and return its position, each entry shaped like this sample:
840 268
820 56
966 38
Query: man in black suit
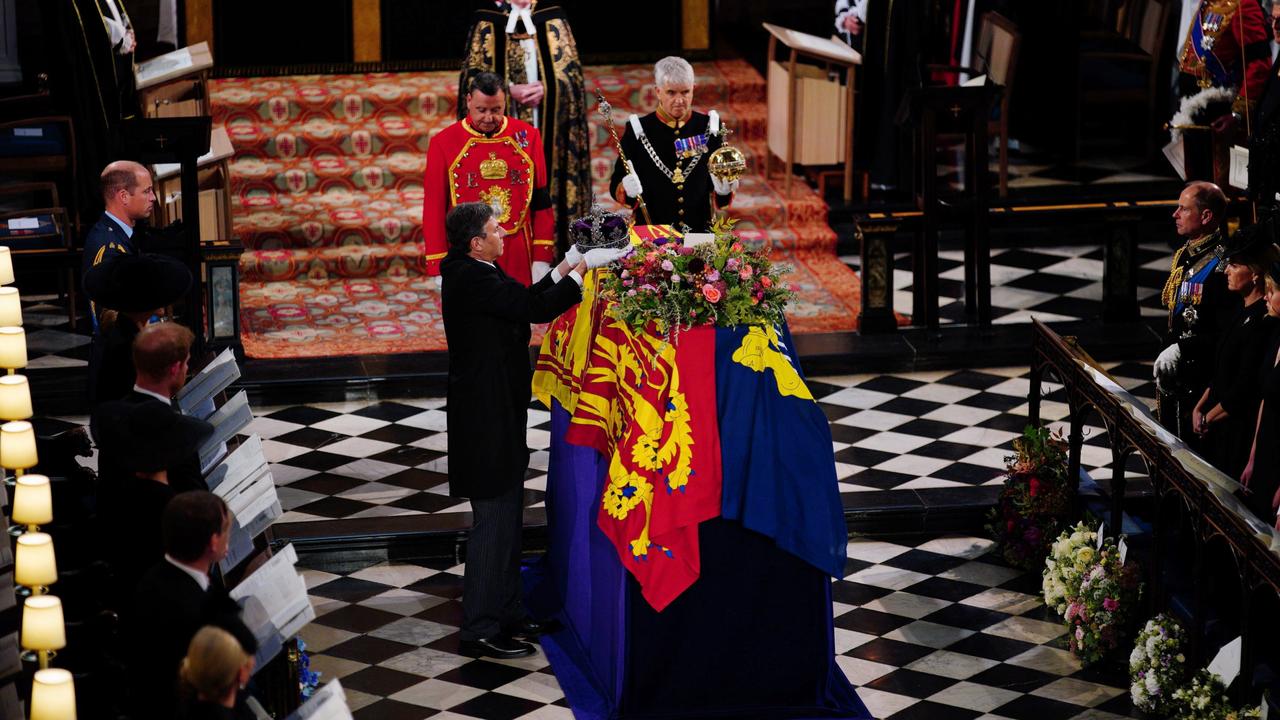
176 598
128 196
147 452
135 288
486 323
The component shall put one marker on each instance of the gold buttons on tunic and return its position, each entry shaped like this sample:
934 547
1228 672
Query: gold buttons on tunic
680 199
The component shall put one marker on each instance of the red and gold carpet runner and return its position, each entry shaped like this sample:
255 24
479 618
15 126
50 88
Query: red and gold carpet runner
327 188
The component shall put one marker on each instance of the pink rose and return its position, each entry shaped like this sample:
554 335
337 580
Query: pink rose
713 275
666 265
711 293
747 272
675 277
766 281
624 273
631 292
1110 604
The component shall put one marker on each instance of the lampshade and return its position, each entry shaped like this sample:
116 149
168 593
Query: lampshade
15 396
6 266
53 695
34 564
13 347
32 501
10 307
17 445
42 626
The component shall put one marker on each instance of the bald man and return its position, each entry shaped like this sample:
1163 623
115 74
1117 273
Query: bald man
128 196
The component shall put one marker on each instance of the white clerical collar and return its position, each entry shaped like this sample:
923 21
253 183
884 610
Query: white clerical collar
520 15
201 578
156 395
128 229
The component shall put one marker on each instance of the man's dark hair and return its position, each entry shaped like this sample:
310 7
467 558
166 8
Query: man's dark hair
189 521
1208 196
159 346
487 83
114 179
466 221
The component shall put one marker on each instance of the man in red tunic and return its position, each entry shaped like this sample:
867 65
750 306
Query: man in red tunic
497 160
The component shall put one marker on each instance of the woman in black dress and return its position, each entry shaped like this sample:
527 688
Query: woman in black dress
1261 476
1227 412
213 673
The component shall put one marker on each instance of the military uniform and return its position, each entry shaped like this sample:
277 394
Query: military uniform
1227 46
1200 307
670 157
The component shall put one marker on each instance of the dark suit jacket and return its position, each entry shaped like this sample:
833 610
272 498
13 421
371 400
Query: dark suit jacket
486 324
111 371
167 610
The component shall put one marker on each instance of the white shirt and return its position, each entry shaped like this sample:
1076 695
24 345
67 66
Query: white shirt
156 395
201 578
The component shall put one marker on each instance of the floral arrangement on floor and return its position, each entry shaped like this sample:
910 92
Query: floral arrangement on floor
721 283
1101 608
1070 556
1204 698
1157 665
308 679
1036 498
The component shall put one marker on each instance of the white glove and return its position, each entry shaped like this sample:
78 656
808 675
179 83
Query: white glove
724 187
631 185
539 269
603 256
1166 365
574 256
437 282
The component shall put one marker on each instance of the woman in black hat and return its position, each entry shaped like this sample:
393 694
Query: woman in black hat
1227 411
136 288
1261 476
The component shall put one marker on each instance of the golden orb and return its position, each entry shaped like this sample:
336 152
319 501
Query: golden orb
727 163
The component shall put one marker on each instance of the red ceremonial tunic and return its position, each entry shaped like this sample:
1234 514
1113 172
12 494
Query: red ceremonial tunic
463 165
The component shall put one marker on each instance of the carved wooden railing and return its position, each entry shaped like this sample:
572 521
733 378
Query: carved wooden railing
1195 506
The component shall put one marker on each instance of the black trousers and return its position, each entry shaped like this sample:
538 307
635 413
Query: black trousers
491 580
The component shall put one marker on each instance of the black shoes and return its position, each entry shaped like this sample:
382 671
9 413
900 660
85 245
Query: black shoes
499 646
530 629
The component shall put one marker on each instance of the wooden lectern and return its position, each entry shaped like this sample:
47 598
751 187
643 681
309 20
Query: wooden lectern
810 115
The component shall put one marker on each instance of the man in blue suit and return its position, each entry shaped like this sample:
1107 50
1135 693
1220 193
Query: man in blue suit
128 194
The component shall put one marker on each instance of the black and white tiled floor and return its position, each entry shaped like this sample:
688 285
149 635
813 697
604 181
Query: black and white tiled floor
933 628
51 341
895 437
1052 284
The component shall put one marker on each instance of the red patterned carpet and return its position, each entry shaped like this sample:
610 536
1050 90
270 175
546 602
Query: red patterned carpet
327 186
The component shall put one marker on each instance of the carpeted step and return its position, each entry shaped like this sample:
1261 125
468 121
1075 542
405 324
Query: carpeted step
399 260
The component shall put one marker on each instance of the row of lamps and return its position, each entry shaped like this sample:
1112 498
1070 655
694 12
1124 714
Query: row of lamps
35 566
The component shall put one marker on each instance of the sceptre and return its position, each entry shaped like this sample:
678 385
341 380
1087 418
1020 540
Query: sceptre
606 111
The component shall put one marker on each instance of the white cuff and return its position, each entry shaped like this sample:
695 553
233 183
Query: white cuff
555 275
576 277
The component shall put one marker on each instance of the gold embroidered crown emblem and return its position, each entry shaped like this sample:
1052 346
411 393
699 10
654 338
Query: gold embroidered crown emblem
493 168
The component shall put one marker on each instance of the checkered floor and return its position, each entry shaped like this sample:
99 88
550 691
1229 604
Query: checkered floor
51 342
1051 284
934 628
897 438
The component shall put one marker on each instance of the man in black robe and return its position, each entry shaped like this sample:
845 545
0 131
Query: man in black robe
533 50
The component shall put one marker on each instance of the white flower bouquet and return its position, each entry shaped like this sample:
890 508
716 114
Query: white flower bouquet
1204 698
1069 557
1157 665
